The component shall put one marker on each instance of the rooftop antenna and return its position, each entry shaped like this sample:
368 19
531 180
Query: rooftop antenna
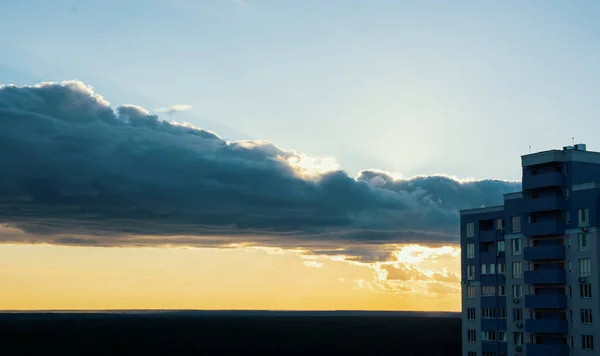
529 148
573 140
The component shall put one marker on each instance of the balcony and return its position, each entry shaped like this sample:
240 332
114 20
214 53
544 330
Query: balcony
493 324
540 253
547 350
552 203
541 228
486 235
546 277
492 280
489 257
543 180
546 301
546 326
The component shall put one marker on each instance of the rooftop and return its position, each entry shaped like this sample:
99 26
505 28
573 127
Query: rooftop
576 152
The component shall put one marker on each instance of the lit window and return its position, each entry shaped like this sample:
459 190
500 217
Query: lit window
500 224
585 267
517 269
501 268
470 292
487 291
517 291
516 224
470 229
470 251
471 272
517 246
500 247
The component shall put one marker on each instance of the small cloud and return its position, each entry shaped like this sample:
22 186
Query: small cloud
313 264
169 110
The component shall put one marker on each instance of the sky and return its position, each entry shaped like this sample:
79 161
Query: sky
288 180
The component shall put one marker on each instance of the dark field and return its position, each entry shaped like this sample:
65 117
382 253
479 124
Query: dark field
224 333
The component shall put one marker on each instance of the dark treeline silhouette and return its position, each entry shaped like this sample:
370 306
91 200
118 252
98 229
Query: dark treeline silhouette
214 334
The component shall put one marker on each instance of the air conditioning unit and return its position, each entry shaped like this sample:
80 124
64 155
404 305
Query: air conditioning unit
516 300
518 349
520 325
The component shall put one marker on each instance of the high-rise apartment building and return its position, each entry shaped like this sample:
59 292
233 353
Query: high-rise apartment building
530 267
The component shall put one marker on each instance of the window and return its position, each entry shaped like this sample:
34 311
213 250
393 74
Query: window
587 342
500 224
501 290
517 291
585 290
501 268
470 229
488 336
518 338
566 169
471 335
586 316
500 247
584 242
487 313
568 217
517 269
570 291
470 292
488 268
585 267
517 314
471 353
502 313
471 313
583 216
501 335
470 272
516 224
487 291
470 251
517 246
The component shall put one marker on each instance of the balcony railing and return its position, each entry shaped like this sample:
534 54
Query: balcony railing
549 252
552 203
546 301
546 326
547 350
541 228
546 277
486 235
543 180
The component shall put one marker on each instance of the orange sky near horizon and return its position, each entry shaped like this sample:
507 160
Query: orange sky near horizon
42 277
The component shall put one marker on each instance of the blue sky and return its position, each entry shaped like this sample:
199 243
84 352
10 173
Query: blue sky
412 87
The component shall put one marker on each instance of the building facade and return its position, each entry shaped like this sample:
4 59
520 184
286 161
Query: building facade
530 267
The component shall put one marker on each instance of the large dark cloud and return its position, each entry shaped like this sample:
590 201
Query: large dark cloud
75 171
